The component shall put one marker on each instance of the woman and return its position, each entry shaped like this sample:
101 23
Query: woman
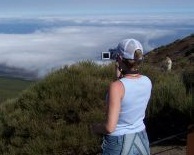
124 129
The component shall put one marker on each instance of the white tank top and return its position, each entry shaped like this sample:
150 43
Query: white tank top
133 105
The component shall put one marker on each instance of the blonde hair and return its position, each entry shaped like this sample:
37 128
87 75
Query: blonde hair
134 64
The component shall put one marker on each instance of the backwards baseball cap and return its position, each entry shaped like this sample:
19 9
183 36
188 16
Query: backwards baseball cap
127 48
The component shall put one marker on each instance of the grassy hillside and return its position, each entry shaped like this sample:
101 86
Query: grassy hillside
53 116
181 51
11 87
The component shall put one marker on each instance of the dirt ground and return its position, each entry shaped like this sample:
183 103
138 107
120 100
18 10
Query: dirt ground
176 146
168 150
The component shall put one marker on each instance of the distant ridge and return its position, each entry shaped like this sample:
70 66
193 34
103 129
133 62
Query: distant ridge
181 51
14 72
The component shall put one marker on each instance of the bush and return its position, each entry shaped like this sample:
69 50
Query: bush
53 116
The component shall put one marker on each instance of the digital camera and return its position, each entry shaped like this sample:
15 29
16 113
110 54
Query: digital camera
111 54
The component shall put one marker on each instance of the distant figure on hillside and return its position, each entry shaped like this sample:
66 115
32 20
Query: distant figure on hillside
127 99
167 64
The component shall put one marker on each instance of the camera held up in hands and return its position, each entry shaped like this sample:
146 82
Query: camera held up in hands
111 54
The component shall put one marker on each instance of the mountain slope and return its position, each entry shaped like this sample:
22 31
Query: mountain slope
180 51
54 115
11 87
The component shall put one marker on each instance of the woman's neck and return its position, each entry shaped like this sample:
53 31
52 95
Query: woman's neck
132 76
131 72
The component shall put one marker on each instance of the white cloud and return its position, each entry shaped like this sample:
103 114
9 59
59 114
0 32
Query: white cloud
56 46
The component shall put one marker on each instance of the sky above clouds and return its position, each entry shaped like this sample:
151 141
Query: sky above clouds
46 7
42 35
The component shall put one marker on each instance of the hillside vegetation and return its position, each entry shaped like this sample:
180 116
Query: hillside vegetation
181 51
53 116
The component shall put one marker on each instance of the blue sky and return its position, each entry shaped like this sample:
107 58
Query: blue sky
72 7
42 35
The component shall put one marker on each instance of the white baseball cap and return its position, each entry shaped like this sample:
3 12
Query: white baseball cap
127 48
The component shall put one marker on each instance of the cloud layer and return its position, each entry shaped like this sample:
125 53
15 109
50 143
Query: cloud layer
53 42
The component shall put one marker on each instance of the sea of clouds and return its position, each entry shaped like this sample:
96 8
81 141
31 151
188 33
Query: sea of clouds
46 43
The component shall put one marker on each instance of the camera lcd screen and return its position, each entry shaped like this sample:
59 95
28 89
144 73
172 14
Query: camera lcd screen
105 55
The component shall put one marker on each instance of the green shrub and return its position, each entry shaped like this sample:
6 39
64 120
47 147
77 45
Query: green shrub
53 116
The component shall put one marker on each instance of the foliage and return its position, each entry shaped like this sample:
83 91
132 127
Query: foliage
53 116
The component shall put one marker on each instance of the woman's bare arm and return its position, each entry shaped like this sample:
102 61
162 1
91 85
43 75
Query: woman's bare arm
115 94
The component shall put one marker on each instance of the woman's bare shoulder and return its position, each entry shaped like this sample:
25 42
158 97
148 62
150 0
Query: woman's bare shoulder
116 85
